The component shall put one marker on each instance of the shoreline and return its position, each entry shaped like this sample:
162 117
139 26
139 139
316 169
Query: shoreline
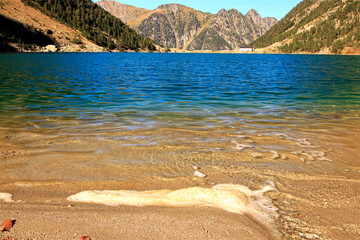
311 205
104 222
190 52
45 213
72 126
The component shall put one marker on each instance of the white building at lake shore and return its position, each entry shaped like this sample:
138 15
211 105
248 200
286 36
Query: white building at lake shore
246 49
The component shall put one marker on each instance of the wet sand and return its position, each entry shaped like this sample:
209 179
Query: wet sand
317 183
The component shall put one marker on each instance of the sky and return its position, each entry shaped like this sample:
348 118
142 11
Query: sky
266 8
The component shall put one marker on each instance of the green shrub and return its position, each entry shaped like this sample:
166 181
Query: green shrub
76 40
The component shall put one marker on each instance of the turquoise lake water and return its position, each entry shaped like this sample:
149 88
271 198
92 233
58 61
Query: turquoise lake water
102 111
185 89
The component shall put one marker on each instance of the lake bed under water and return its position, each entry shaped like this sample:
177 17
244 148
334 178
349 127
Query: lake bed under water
148 121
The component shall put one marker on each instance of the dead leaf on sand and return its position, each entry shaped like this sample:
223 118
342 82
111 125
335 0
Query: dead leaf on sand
85 238
5 226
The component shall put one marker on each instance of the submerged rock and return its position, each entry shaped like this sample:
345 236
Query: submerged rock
195 167
257 155
240 146
275 155
199 174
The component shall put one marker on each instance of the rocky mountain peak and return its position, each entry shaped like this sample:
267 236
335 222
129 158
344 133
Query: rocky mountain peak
228 13
222 11
253 13
179 26
125 12
264 23
254 16
173 7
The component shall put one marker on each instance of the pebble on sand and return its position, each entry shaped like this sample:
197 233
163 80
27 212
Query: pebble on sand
256 155
199 174
195 167
275 155
6 197
240 146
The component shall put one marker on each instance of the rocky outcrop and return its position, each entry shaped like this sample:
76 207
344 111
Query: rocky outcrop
173 25
181 27
125 12
230 30
263 24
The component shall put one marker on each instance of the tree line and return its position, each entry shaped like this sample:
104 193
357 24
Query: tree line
341 28
94 22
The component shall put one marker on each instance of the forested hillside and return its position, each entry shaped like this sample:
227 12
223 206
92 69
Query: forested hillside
316 26
94 22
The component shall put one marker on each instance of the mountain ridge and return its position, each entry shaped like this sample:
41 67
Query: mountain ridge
65 25
180 27
316 26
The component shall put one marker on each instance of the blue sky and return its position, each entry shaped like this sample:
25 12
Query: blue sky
266 8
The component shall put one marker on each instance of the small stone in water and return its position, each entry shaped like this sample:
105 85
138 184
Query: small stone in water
325 159
275 155
297 153
256 155
240 146
195 167
199 174
284 157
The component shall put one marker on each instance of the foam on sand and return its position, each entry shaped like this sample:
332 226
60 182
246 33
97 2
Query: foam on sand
6 197
229 197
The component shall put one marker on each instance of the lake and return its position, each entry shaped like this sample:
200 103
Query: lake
138 115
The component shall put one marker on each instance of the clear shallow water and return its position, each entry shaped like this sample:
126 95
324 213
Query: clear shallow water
139 106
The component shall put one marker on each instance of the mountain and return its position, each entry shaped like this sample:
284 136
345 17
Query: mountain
316 26
125 12
230 30
23 28
12 31
56 24
181 27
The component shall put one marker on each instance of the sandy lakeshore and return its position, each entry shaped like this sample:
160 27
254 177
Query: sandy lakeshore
315 198
309 208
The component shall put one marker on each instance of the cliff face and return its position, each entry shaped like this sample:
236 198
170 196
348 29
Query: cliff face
181 27
173 25
263 24
230 30
324 26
